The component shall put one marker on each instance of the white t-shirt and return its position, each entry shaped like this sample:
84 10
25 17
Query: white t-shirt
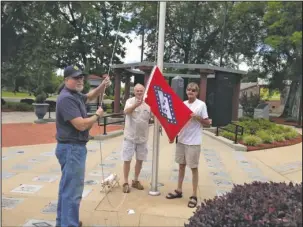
192 132
137 123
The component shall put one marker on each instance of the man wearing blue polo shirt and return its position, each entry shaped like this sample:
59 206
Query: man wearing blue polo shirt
73 126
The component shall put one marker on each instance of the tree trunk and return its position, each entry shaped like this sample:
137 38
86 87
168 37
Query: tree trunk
292 105
142 44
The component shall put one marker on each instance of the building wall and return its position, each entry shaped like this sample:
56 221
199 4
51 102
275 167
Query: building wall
252 90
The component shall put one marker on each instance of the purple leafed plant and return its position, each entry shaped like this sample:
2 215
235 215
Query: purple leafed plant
256 204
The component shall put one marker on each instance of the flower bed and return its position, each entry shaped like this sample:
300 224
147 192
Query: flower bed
255 204
262 134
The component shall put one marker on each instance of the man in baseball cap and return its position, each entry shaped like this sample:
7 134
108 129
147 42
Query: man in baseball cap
73 125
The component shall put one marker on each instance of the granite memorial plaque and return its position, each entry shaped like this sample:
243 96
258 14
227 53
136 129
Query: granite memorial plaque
39 223
259 178
111 158
46 178
175 178
5 157
50 208
222 182
107 165
219 174
86 192
55 170
7 175
48 154
38 159
22 167
27 189
221 191
91 182
10 203
98 173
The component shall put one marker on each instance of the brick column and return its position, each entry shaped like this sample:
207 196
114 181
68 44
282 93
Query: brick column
203 86
236 97
146 77
117 93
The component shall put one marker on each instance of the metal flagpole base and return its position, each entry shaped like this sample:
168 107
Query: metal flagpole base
156 193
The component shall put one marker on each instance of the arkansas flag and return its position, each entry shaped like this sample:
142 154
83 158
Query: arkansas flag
167 107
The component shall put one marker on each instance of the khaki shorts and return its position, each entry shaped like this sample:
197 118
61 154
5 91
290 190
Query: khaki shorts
129 148
188 154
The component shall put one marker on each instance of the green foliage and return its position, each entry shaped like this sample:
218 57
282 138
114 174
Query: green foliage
279 137
82 31
290 135
228 135
251 140
245 119
265 136
16 106
86 87
256 130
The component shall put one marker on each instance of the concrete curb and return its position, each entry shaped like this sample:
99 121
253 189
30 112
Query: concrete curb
237 147
109 135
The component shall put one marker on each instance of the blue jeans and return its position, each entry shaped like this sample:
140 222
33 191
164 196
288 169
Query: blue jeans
72 158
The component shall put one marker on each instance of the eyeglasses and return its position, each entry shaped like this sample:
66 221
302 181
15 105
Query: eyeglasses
192 90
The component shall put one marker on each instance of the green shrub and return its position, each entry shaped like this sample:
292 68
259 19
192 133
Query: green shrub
278 129
265 136
290 135
243 119
251 140
288 129
15 106
228 135
279 137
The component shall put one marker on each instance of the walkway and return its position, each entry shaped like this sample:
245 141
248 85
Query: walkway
36 167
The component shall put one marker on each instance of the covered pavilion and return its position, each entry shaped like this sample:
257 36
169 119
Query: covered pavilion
219 86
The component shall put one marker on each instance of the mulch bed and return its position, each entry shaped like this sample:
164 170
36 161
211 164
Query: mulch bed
274 144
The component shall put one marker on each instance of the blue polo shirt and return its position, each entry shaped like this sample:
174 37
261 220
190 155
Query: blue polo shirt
70 105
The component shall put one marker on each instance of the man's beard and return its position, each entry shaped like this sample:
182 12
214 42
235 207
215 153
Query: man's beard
79 88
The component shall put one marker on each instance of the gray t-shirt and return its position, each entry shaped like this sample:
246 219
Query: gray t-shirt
70 105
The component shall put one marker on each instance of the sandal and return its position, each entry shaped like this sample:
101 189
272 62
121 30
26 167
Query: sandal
192 202
175 195
137 185
126 188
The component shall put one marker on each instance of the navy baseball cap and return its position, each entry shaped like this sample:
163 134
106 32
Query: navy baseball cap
73 71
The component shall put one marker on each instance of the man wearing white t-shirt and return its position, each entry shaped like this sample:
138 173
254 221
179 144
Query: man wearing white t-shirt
188 147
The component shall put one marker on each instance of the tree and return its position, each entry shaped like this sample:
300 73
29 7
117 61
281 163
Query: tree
281 54
51 35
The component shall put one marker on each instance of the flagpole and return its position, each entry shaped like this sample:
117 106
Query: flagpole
154 184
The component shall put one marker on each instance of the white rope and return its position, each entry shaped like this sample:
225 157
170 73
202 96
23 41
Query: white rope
157 33
101 101
118 30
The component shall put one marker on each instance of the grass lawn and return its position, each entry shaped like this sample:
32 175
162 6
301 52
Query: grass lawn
9 94
22 95
264 93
